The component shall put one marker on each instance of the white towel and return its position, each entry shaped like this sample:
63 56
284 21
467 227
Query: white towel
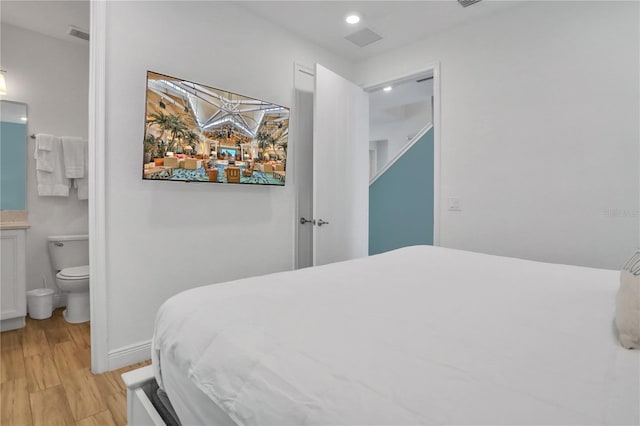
43 154
53 183
73 152
82 184
83 188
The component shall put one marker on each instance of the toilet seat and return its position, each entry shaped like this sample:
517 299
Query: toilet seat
74 273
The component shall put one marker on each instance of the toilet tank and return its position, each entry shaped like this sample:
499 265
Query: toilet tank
66 251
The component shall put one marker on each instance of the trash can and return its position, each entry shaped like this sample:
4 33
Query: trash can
40 303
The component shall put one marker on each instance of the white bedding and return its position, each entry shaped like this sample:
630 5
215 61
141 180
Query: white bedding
420 335
189 402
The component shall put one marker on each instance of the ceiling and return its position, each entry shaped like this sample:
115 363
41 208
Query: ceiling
51 18
321 22
398 22
406 99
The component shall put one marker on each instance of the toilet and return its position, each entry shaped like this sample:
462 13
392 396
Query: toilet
70 258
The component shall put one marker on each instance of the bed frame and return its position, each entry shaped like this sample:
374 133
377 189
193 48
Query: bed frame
140 411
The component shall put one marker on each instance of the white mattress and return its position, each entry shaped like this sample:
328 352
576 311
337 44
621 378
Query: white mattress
420 335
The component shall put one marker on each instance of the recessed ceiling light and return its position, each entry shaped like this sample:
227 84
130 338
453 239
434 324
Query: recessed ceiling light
353 19
387 89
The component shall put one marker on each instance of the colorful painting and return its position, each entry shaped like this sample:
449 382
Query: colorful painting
196 133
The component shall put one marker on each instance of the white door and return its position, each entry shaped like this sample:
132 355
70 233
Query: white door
340 169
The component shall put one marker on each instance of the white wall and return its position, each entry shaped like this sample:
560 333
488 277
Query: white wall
381 147
166 237
398 119
540 129
52 77
398 133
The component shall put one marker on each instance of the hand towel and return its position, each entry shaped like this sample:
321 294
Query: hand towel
82 184
73 152
43 153
54 182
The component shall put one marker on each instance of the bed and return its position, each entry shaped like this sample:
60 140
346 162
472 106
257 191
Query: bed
419 335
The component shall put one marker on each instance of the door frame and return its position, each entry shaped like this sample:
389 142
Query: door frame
434 70
98 297
301 73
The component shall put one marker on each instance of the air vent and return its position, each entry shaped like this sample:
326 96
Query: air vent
465 3
77 32
363 37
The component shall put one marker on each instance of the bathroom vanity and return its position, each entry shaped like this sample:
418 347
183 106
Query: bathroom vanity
13 303
13 214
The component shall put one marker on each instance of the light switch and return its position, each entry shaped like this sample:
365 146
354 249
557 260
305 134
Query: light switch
454 204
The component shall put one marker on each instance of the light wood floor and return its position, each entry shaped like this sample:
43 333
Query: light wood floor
47 379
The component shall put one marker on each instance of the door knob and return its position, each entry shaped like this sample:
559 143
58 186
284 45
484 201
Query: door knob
322 222
303 221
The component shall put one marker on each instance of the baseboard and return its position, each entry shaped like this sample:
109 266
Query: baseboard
12 323
128 355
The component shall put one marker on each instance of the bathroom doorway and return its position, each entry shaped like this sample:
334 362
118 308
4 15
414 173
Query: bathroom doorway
45 56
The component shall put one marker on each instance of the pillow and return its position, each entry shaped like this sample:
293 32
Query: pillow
628 304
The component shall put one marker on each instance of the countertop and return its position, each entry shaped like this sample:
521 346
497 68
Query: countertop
14 219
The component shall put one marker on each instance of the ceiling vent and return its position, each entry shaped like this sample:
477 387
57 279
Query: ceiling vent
363 37
77 32
465 3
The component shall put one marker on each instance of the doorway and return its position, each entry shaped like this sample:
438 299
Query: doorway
401 199
304 169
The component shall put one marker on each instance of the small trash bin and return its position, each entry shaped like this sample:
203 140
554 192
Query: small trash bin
40 303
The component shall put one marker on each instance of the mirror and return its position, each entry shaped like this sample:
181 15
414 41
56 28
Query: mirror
13 155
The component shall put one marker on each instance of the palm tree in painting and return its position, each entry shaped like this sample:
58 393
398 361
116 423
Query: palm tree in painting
264 141
190 138
176 129
161 120
282 146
